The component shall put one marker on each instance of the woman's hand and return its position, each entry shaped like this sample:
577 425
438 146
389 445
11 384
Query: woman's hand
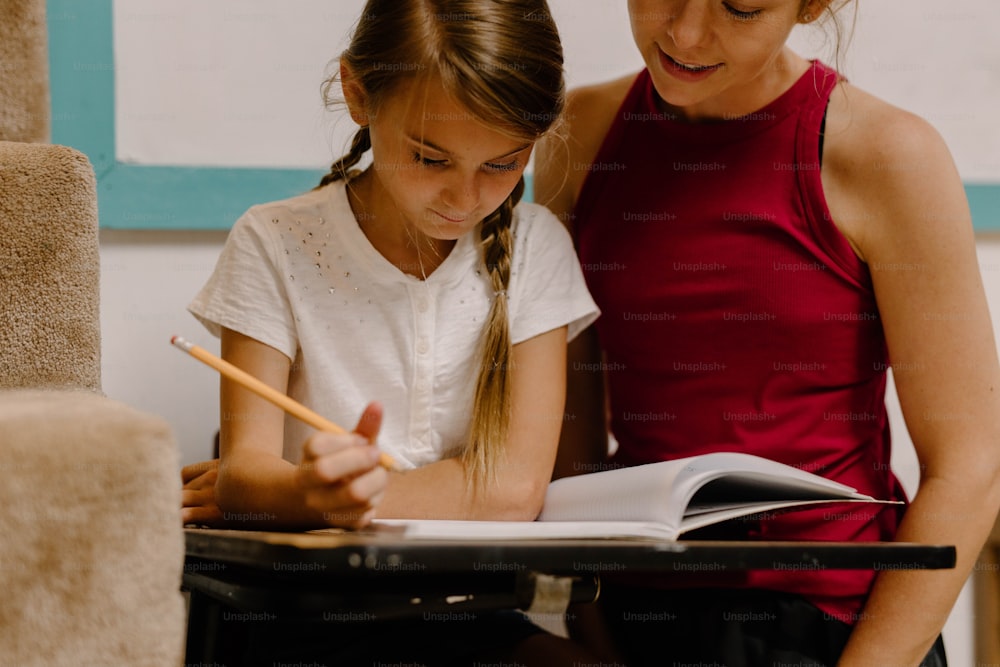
198 504
340 474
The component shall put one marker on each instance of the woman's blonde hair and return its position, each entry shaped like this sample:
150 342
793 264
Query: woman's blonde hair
502 61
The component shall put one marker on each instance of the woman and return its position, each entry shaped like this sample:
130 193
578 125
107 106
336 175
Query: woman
764 240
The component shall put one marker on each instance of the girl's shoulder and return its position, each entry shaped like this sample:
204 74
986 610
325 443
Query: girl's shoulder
308 205
531 218
535 226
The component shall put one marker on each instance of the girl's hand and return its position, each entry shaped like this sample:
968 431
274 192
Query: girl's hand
198 504
340 475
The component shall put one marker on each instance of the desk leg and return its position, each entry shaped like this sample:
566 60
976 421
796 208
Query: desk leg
986 592
202 629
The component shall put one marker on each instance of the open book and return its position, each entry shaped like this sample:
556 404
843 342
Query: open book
656 501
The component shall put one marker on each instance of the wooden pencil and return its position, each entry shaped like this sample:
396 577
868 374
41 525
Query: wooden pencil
289 405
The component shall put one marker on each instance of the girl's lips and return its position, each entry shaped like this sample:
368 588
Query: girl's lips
685 71
453 220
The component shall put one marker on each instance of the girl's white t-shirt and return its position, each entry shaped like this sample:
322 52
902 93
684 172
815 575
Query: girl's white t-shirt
300 276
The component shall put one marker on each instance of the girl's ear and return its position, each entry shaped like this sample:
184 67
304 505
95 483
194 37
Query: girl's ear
812 10
354 95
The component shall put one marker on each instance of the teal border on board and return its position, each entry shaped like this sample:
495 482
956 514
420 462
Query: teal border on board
984 200
81 70
82 75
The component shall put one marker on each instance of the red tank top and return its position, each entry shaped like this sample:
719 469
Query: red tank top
735 316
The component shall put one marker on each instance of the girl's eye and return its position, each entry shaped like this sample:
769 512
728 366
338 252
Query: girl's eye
426 161
741 15
503 168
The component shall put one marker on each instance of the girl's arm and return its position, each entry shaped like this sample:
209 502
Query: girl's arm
338 481
257 486
894 191
441 490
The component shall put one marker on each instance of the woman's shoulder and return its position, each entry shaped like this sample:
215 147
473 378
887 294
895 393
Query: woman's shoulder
597 103
590 113
878 160
563 159
861 127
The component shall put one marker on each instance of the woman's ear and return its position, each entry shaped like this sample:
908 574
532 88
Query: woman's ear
812 10
354 95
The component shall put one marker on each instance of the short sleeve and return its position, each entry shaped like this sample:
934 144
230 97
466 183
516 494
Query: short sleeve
547 282
247 292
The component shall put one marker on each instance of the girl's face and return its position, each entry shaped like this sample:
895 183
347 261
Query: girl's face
717 58
436 168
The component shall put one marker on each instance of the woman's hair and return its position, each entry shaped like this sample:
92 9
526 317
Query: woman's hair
842 34
502 61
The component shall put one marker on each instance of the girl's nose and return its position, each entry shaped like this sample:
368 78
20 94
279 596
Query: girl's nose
461 195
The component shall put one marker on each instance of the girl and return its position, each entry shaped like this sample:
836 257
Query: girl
791 236
419 280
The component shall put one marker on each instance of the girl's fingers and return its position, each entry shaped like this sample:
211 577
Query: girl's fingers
321 444
204 497
204 481
344 503
370 422
193 471
354 518
340 466
209 516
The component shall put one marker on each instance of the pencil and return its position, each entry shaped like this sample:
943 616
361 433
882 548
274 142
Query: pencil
289 405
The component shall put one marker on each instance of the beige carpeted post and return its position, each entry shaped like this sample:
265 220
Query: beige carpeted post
24 72
91 546
49 268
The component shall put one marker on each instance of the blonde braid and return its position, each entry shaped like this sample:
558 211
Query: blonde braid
340 170
491 407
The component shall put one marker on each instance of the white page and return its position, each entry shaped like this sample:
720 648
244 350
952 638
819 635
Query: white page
439 529
638 493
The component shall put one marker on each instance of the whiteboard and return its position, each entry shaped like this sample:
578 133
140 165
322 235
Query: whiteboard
212 83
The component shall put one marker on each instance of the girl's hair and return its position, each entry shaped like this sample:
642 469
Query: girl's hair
502 61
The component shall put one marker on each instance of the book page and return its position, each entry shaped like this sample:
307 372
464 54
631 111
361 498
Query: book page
439 529
662 491
639 493
649 501
708 517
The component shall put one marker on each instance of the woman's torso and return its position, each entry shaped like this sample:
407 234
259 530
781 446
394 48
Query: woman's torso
736 315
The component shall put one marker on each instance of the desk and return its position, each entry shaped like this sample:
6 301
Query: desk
387 576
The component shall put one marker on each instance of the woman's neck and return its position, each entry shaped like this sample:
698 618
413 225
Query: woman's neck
750 96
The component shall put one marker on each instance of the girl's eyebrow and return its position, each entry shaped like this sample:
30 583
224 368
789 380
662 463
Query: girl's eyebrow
432 146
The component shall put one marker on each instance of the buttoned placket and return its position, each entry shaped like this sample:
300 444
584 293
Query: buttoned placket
423 303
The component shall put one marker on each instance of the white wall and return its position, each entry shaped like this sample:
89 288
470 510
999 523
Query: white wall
243 90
